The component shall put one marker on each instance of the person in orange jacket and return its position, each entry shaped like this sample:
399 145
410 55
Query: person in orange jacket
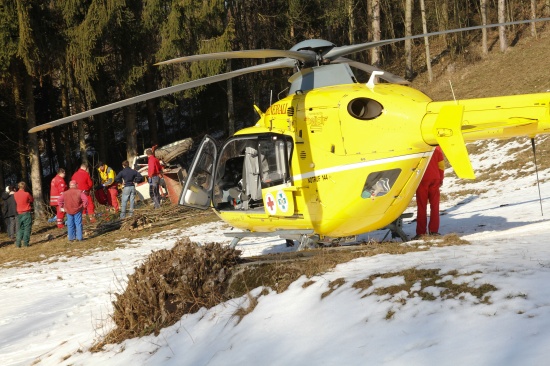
428 191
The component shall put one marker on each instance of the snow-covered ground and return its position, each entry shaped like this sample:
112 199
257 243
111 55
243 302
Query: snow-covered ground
51 313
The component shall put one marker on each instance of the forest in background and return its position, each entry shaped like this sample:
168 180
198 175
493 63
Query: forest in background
59 58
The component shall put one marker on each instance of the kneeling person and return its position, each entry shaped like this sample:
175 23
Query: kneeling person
73 202
107 177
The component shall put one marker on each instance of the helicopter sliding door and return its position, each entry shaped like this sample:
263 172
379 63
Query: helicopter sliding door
197 191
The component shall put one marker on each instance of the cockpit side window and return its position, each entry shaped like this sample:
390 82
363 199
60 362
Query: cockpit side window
274 160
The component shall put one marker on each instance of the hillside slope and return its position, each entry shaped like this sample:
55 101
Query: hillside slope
522 69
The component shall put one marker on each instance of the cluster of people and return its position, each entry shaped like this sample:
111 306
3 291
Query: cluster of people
74 203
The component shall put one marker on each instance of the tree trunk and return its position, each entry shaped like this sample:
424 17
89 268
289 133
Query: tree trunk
502 29
130 115
409 72
67 136
533 16
351 21
81 131
68 150
21 125
34 155
103 145
2 185
151 109
49 150
375 52
426 41
82 143
484 46
230 104
445 21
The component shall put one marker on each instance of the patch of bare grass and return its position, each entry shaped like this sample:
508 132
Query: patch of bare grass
48 243
243 311
281 270
428 284
333 286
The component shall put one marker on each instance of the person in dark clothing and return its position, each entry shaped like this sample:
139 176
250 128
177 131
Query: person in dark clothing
73 202
9 211
129 177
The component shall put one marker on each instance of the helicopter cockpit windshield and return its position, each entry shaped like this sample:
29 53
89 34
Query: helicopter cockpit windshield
245 165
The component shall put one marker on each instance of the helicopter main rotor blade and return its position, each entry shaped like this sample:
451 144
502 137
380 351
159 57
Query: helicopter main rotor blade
346 50
277 64
303 56
389 77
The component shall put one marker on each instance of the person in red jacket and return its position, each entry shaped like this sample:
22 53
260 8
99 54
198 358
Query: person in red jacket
74 202
23 200
85 184
428 191
57 187
154 170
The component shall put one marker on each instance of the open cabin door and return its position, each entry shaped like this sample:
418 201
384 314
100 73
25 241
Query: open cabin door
197 191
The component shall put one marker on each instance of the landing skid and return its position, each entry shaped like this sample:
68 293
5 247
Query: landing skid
308 240
303 236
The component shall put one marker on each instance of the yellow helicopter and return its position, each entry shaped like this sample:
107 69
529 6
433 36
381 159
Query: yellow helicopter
336 158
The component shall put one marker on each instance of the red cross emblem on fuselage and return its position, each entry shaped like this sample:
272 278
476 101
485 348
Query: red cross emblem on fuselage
270 203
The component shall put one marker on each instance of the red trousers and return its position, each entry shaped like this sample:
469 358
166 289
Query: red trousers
108 197
91 207
428 191
60 216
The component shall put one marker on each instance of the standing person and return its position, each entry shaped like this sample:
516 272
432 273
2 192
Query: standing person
57 187
9 211
74 202
107 178
23 200
154 172
84 183
428 191
129 177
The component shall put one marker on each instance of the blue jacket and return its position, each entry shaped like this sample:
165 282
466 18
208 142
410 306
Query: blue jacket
129 176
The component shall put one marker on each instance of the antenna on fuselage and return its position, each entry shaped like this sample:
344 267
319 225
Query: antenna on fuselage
452 91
